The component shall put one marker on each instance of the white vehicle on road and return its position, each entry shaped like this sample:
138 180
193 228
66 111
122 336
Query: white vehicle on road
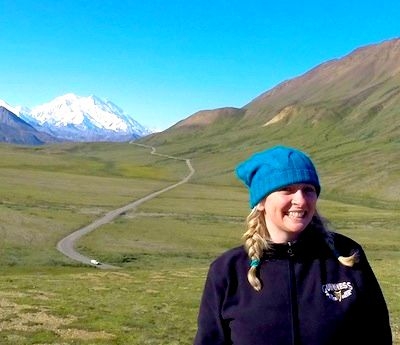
94 262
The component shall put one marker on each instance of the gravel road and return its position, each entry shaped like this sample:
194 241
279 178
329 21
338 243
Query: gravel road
66 245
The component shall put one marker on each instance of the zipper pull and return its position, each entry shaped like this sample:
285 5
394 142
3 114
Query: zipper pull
290 250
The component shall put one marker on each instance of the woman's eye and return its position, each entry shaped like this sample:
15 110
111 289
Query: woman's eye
294 189
309 190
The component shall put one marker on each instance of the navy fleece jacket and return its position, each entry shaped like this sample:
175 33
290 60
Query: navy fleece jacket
308 298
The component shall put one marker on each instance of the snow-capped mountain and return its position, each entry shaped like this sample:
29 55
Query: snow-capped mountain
77 118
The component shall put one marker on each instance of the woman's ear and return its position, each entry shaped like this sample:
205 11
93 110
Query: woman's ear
261 205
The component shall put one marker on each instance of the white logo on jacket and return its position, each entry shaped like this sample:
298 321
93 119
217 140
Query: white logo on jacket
337 291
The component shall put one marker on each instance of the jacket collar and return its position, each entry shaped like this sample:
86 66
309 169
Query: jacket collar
310 244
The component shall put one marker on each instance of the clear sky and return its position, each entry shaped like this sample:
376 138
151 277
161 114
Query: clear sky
163 60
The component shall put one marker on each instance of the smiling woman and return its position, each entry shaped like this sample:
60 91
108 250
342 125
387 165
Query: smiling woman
293 281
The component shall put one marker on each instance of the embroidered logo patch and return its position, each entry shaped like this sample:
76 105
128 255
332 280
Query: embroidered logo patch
337 291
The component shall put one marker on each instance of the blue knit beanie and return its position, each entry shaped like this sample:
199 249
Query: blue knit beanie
277 167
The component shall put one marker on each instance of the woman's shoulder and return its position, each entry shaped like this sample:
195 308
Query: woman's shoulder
346 245
228 266
344 239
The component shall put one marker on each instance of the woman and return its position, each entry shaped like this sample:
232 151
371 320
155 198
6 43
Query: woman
293 281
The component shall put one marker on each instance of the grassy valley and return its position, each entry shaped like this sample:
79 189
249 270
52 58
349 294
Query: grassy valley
163 248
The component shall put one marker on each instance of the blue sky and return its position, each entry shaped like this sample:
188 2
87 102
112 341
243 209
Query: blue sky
161 61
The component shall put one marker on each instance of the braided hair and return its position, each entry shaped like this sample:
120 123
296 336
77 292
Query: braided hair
256 241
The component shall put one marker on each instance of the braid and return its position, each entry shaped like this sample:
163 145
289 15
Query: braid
320 224
255 241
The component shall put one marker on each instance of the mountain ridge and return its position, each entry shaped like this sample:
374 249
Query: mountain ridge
342 111
319 85
336 79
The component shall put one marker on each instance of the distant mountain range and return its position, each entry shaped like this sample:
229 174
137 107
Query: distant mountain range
352 99
68 118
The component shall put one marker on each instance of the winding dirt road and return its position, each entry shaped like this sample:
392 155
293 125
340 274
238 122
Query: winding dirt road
66 245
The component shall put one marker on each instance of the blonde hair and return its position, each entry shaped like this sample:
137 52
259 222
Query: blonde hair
256 241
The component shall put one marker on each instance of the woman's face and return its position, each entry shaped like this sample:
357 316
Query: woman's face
288 211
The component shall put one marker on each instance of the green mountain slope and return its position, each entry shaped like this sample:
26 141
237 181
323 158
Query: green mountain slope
344 113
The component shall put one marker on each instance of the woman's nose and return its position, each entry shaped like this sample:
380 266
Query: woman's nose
298 198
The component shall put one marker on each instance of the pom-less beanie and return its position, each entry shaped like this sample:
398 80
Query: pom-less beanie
267 171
